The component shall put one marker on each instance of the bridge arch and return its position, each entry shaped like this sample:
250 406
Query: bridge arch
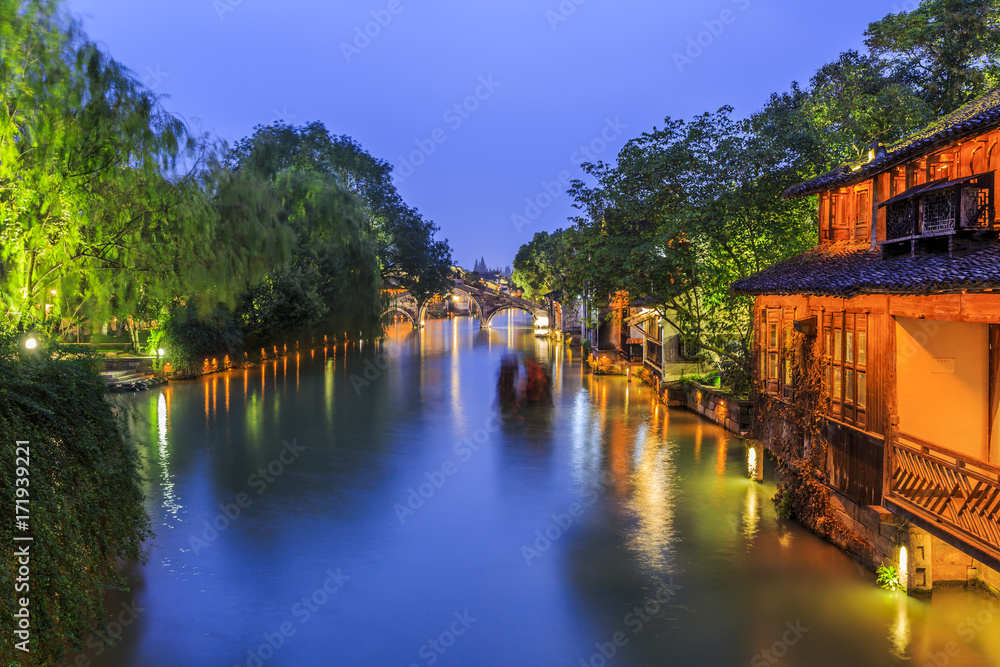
392 310
488 321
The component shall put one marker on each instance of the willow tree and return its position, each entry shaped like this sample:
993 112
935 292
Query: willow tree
331 283
108 204
408 253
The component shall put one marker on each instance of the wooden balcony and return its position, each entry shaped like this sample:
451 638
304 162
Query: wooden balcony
951 492
940 208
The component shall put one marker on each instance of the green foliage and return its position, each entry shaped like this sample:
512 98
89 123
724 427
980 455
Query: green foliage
688 209
542 265
191 335
92 188
703 379
947 51
407 252
859 99
887 576
783 503
735 369
86 513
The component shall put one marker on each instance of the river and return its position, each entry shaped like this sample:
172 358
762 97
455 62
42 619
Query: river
368 507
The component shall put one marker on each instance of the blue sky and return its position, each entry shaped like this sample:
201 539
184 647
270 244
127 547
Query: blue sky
484 108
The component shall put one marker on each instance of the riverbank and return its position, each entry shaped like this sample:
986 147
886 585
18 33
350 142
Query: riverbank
871 534
410 490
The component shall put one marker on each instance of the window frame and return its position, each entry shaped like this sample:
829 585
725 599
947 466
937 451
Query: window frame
845 355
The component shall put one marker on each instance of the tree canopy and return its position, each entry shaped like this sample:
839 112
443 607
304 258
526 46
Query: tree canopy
689 207
409 256
107 203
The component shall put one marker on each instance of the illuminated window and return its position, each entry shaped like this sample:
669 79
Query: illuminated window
847 340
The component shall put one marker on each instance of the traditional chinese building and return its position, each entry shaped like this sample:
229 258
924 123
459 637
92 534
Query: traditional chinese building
897 313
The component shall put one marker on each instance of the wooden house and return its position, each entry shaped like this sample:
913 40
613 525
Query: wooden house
899 305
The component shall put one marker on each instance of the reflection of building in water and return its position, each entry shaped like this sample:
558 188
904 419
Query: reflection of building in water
653 498
585 439
751 513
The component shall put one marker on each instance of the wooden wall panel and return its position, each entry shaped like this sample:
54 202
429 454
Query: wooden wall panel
949 307
939 307
881 368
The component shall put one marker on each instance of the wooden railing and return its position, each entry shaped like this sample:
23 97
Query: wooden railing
959 493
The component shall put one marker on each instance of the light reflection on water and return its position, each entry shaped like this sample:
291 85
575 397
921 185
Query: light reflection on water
663 496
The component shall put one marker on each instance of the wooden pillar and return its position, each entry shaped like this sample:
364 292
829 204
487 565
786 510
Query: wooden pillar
993 446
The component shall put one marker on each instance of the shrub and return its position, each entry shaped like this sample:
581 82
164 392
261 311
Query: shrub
86 511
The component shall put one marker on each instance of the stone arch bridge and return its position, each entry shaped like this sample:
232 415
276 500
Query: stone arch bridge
489 304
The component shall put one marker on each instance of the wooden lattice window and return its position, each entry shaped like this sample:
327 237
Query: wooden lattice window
836 220
772 350
845 353
787 361
975 208
899 220
776 366
938 211
862 212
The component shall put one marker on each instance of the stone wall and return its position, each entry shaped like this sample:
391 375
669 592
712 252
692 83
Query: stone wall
871 533
733 414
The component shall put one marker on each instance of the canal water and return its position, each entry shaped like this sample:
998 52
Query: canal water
368 507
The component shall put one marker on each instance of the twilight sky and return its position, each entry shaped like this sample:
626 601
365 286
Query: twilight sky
482 107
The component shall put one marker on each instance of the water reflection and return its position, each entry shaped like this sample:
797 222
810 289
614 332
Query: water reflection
171 508
899 635
631 495
653 498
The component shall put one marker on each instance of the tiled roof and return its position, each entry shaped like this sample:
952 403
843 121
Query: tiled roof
976 117
848 269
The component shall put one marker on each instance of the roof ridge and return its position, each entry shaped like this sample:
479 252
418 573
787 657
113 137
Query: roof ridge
971 118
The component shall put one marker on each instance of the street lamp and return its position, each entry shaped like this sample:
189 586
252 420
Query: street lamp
30 343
